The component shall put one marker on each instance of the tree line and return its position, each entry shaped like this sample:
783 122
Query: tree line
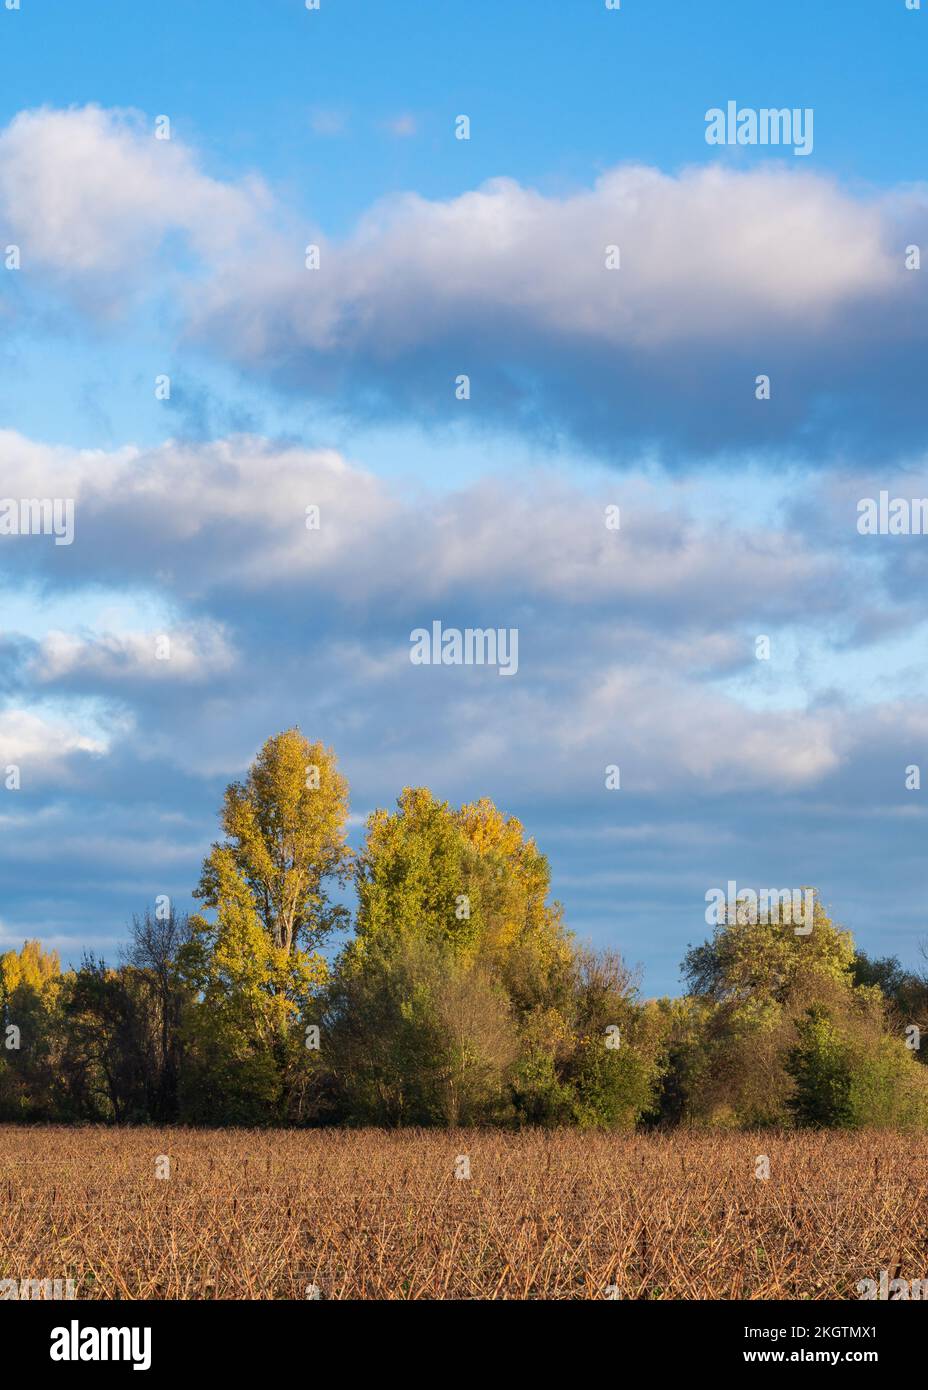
457 997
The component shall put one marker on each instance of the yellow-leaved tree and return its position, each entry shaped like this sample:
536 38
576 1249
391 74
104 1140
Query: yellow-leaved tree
255 969
30 982
285 832
245 1034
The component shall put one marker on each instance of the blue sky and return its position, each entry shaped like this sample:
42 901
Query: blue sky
439 257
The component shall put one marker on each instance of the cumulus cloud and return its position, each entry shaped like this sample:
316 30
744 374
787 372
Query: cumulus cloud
90 195
636 644
669 722
705 253
722 275
29 736
244 515
192 654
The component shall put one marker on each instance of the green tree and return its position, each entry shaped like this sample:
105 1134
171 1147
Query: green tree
778 1030
421 1035
468 879
109 1044
462 994
821 1068
614 1061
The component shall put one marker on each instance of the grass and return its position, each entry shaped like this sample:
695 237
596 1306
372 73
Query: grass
381 1215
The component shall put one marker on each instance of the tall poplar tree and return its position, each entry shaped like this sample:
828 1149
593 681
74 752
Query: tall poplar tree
285 829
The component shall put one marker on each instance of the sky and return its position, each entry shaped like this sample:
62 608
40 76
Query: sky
615 290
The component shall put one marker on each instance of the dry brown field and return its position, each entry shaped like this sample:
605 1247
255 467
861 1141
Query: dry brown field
382 1215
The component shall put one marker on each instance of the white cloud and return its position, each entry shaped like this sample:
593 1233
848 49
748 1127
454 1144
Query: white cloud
636 646
673 730
724 274
233 514
90 194
192 654
703 254
30 737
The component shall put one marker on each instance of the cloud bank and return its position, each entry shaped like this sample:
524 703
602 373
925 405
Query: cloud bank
718 276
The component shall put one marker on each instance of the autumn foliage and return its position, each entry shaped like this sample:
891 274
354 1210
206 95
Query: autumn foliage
454 994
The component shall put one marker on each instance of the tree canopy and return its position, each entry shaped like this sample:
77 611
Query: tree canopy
459 997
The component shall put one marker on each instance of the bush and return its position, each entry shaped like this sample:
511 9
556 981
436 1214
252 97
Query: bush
820 1065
